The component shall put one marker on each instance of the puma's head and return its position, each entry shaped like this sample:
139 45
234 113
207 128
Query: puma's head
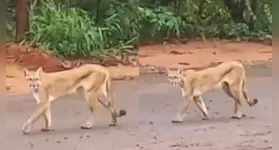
34 79
175 77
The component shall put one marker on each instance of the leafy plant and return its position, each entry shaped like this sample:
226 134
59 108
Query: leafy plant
72 32
97 28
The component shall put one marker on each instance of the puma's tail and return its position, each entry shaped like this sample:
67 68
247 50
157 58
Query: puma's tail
121 112
250 102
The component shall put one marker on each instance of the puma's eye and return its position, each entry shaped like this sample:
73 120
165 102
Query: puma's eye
28 78
35 79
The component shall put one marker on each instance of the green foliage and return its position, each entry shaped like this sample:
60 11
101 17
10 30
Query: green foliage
72 32
10 23
159 21
85 28
209 18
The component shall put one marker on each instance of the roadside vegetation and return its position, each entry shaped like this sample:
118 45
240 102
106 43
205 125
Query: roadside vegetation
100 28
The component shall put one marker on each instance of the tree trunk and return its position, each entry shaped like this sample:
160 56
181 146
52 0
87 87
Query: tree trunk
236 9
22 19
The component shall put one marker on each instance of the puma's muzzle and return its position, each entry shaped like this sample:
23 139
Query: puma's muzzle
34 87
173 83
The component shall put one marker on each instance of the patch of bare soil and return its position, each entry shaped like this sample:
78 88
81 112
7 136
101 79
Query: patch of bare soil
19 57
197 54
155 58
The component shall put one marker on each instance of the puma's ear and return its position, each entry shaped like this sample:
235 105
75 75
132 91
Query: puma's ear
179 71
26 72
39 72
168 69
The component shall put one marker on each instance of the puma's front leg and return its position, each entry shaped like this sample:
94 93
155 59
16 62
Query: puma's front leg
47 118
182 108
34 117
183 92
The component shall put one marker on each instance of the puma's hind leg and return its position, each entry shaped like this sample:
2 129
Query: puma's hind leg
200 103
237 113
232 91
91 98
110 106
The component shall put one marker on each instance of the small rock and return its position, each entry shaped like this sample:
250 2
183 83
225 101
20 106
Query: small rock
266 141
31 145
184 63
175 52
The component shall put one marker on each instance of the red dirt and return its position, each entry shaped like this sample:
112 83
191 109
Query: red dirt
32 59
19 57
192 54
195 53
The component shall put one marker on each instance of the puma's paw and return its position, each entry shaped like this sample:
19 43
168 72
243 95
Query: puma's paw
112 124
238 117
47 129
205 118
177 120
87 125
26 129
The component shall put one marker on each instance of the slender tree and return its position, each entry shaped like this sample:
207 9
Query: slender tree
22 19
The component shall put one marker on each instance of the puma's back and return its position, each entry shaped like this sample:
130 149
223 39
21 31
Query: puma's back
68 81
92 81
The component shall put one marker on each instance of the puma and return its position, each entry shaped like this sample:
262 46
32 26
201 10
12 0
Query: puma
90 80
229 76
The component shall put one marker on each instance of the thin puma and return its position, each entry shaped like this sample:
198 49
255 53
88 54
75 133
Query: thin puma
229 76
90 80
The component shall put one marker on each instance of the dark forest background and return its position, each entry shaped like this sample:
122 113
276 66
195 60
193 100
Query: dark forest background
83 28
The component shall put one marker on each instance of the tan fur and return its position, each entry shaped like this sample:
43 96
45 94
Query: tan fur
229 76
90 80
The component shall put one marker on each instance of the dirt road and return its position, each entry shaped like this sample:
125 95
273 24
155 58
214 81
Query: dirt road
158 103
148 123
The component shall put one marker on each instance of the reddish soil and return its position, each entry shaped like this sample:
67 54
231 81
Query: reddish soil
192 54
196 53
19 57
